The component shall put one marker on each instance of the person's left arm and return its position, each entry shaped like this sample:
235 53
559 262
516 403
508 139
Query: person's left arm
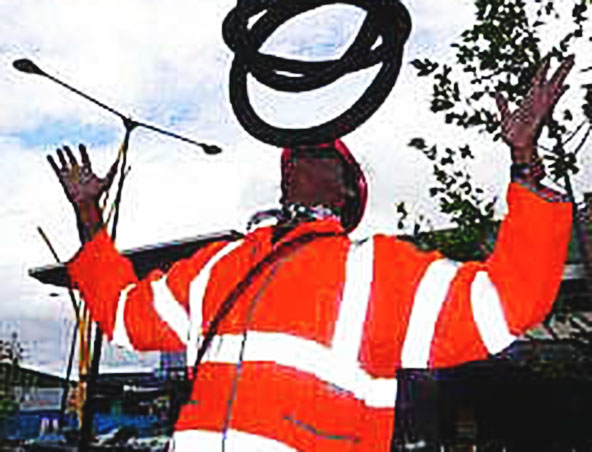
449 313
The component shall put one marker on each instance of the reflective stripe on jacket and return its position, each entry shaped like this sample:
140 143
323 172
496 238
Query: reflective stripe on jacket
321 333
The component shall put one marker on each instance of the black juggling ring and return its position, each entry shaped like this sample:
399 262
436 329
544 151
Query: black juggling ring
388 20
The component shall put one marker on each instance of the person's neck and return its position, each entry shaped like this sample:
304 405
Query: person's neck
302 212
296 214
290 215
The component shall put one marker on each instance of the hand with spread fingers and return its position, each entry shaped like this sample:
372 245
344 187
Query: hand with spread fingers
80 183
83 187
522 127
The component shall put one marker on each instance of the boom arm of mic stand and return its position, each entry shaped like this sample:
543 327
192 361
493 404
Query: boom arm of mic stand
28 67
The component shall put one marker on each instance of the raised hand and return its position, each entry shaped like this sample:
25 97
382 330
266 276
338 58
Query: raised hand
522 127
79 182
83 187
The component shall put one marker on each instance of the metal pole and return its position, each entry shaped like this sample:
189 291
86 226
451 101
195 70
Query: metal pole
88 409
68 373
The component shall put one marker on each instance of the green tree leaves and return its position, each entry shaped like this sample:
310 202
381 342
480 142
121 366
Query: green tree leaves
500 52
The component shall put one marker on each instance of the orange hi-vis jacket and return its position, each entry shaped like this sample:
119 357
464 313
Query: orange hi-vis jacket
306 359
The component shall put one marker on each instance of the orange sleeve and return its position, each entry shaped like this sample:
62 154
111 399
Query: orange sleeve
428 311
521 276
100 273
527 263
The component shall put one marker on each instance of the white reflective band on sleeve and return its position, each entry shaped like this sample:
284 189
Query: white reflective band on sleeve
197 290
306 356
489 315
349 327
169 309
236 441
430 296
120 337
380 392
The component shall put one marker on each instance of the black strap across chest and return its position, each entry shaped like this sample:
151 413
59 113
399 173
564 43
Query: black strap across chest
280 252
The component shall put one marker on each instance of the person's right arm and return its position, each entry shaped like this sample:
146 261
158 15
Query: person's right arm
159 312
443 313
150 314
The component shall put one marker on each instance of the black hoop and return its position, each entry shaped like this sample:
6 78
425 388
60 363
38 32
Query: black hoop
387 19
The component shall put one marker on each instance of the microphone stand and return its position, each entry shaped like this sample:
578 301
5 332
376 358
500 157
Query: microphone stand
88 409
28 67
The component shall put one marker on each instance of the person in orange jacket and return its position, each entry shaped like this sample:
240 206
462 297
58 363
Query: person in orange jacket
304 347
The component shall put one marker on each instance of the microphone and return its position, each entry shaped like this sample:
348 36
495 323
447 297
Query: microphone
29 67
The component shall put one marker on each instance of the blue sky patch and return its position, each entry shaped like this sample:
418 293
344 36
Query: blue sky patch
60 132
171 112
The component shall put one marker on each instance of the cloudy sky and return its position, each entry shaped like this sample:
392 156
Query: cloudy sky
166 63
